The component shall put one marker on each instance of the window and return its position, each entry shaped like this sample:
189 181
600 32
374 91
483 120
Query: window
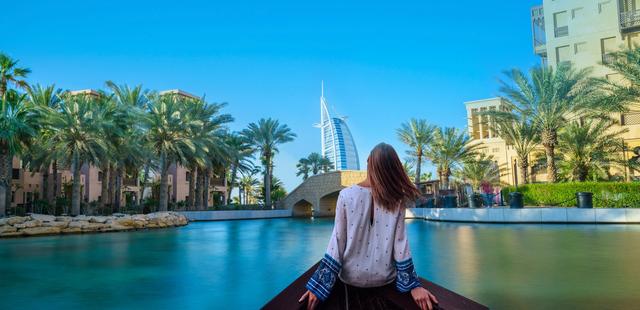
561 24
13 196
563 53
576 13
630 118
604 6
608 46
188 176
15 174
475 124
485 124
100 175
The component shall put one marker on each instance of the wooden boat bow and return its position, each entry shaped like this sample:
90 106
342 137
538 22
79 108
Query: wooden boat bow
448 300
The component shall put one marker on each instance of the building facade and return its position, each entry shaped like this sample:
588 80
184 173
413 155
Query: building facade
336 140
585 33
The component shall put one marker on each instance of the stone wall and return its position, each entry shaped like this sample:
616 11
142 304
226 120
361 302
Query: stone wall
319 192
39 224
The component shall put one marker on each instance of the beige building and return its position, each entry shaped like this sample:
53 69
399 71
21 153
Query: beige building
27 186
583 32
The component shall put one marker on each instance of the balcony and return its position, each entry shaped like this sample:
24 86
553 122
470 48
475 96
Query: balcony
561 31
629 20
631 118
608 58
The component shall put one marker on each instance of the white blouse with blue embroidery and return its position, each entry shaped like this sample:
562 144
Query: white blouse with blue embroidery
363 252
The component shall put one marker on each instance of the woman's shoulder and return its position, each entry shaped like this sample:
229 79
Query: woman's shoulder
353 190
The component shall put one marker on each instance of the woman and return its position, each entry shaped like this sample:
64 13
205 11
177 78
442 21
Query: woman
369 246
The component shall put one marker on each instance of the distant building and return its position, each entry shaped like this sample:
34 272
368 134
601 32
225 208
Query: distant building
337 142
585 33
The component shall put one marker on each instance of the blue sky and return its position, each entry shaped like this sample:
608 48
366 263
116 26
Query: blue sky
383 62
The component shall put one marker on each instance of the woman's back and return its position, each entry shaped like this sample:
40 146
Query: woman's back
370 236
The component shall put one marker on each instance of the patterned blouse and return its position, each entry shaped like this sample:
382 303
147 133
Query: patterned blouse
365 251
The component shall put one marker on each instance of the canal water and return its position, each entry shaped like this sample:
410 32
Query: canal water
242 264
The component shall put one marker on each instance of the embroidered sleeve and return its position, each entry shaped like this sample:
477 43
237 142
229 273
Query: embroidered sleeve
325 276
406 276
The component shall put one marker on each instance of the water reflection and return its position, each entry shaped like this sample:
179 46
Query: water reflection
242 264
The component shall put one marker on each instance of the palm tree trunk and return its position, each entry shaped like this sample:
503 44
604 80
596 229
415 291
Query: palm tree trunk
118 188
75 190
145 179
164 184
524 170
112 184
5 188
192 187
549 139
418 164
45 184
8 175
104 188
54 171
199 185
267 181
240 195
234 171
205 192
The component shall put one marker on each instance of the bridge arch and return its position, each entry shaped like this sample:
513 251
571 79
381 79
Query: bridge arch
302 208
320 192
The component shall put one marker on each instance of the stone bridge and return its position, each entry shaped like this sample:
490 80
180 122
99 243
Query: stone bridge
317 195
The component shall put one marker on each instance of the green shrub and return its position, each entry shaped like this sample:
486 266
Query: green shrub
605 194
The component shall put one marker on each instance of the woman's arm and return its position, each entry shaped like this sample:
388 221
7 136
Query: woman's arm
325 276
406 278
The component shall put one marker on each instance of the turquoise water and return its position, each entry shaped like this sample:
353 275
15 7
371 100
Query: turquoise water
242 264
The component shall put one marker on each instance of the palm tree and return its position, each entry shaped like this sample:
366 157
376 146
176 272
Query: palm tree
11 73
304 168
521 133
128 147
77 135
480 169
265 137
240 153
46 100
408 166
449 149
168 131
626 90
18 125
247 187
549 97
589 148
417 134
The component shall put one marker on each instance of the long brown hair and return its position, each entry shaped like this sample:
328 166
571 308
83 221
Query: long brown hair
390 184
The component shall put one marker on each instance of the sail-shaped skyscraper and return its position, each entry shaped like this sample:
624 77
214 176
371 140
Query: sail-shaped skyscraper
337 141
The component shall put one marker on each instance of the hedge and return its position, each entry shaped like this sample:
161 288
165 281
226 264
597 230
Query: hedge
605 194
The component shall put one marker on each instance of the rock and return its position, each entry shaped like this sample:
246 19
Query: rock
12 234
99 219
32 231
71 230
95 227
125 221
17 220
63 218
118 215
55 224
117 227
80 218
3 221
7 229
28 224
43 217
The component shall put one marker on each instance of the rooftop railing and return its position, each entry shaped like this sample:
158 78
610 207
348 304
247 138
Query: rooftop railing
630 19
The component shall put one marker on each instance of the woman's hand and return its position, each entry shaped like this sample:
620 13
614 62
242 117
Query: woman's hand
423 298
312 300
